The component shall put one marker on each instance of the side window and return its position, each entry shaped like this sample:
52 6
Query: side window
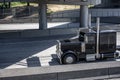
81 36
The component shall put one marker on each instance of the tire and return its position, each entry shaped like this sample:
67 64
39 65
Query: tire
69 59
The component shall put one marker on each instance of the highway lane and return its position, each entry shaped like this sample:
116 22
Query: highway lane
34 53
27 54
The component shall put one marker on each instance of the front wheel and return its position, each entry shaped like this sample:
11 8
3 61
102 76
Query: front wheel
69 59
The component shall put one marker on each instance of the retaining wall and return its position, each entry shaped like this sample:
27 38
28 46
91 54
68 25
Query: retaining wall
99 70
37 33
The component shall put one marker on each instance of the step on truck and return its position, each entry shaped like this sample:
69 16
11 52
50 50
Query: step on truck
89 45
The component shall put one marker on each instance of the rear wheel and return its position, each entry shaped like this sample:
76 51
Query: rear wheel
69 59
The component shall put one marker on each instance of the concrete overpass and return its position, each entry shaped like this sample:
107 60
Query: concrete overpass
68 2
83 11
108 10
43 9
103 8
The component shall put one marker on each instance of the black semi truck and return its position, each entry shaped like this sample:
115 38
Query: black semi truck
89 45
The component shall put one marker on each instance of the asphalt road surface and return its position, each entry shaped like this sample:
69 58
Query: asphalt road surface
23 54
27 54
16 53
32 53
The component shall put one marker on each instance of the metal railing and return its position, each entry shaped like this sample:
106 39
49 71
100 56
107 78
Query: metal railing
99 12
104 12
66 14
5 12
18 11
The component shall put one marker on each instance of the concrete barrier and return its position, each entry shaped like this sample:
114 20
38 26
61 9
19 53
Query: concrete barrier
63 72
38 33
63 31
47 32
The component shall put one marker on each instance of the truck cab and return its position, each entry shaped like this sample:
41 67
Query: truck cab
84 46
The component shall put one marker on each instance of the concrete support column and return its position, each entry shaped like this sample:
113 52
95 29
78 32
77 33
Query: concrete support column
84 16
42 16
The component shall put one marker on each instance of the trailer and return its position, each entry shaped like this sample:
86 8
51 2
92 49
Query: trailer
89 45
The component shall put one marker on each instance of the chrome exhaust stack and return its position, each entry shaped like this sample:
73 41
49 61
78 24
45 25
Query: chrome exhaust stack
98 36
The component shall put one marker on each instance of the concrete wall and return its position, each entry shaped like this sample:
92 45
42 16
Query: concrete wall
104 12
37 33
101 70
48 32
66 14
95 12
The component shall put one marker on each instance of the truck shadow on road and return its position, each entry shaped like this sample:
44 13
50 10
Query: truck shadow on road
33 62
54 60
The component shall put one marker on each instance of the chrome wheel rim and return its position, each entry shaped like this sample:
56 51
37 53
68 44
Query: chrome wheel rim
69 60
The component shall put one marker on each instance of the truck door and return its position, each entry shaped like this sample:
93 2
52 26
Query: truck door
90 43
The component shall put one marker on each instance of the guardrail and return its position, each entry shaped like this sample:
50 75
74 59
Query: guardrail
101 12
66 14
5 12
18 11
89 71
97 12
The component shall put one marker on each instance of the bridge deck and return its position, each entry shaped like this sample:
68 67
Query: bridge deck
67 2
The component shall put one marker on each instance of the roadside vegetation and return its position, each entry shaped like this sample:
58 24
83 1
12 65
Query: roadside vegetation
57 8
18 4
51 7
